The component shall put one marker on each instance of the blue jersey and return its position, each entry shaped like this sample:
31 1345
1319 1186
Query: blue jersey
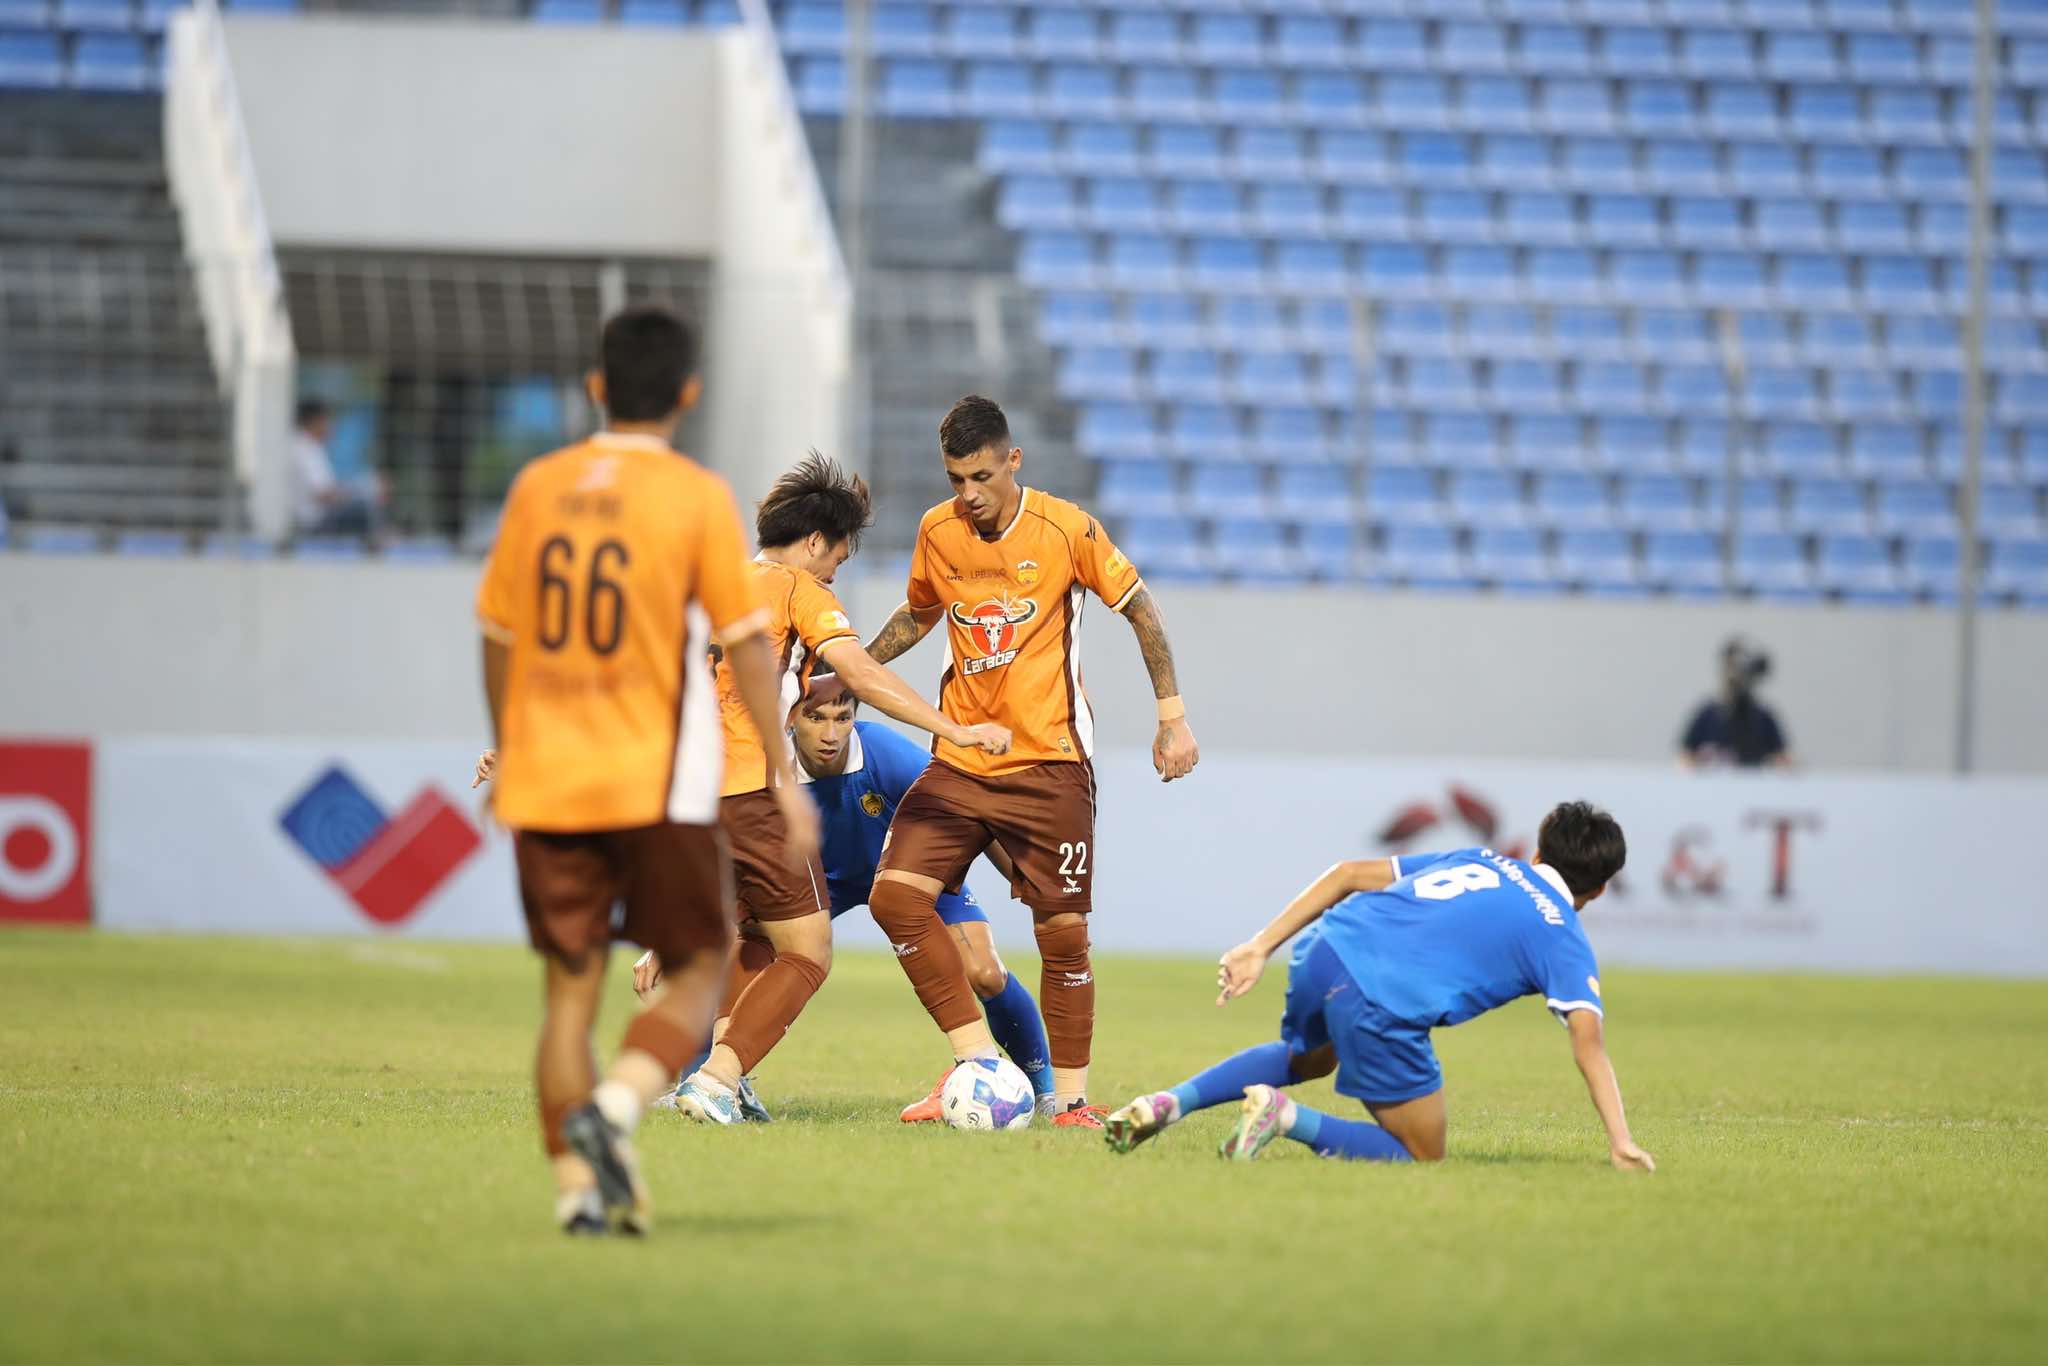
856 805
1462 932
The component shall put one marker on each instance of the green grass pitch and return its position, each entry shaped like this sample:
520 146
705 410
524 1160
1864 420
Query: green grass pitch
296 1151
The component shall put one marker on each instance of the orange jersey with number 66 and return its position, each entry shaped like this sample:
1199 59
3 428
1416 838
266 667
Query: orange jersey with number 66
618 564
1012 608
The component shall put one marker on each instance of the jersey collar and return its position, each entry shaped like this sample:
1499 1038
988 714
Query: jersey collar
1555 879
635 440
856 759
1023 497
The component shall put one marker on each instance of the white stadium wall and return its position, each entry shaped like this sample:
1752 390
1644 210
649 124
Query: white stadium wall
600 141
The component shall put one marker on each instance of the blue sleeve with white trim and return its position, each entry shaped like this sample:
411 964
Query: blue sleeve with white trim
1408 865
1568 977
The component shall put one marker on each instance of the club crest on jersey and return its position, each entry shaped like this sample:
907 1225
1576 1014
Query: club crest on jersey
871 802
1027 573
992 625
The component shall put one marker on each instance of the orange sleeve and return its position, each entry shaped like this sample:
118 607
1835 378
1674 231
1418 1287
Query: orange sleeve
497 599
919 592
1101 566
816 615
725 583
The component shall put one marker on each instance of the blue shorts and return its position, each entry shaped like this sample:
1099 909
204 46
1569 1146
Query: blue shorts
955 908
1379 1059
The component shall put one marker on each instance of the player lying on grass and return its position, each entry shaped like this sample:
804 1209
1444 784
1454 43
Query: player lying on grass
1395 948
857 773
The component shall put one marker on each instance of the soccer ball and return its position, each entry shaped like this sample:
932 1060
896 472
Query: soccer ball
987 1093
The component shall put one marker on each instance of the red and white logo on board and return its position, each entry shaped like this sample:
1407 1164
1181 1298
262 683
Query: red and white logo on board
46 831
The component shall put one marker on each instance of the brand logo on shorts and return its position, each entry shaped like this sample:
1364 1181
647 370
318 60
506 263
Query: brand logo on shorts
1072 888
387 865
991 625
1027 573
871 802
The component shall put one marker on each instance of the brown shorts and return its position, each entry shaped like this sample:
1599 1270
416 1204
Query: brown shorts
1043 816
674 881
769 889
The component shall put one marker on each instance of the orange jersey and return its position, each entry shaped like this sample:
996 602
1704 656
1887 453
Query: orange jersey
803 618
1013 615
618 564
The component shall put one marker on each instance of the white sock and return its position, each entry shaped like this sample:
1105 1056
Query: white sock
1070 1084
984 1051
569 1204
620 1104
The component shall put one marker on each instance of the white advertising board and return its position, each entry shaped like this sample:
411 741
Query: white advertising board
1763 871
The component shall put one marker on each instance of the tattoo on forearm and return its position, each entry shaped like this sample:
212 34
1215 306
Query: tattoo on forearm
1143 614
898 634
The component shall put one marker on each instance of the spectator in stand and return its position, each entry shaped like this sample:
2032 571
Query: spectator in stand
1735 728
321 504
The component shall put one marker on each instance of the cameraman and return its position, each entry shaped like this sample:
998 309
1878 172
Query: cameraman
1735 728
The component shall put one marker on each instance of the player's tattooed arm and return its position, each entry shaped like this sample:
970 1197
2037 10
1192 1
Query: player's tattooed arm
1174 751
904 628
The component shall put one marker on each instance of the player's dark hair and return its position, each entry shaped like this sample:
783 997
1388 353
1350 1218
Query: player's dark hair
311 410
646 354
823 689
815 496
973 424
1583 843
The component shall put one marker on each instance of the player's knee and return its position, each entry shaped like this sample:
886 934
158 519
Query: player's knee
898 907
1063 940
1429 1149
987 975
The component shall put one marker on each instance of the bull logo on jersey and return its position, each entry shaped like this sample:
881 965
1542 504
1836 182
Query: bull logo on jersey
992 625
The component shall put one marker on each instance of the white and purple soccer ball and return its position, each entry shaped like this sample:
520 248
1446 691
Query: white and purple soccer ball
987 1094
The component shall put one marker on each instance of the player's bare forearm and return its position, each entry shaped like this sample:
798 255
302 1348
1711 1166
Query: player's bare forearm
1589 1051
1340 881
497 662
905 627
1174 751
880 688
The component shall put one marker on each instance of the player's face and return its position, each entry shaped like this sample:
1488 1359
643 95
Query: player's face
986 483
822 558
821 730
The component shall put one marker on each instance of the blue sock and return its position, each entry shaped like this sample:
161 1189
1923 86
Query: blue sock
1226 1081
1353 1139
1013 1019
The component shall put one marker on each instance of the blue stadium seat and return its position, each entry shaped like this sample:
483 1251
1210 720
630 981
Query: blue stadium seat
1711 52
1487 497
1702 447
567 12
31 61
1137 35
1102 372
1539 217
1684 562
1290 435
1660 108
1882 58
1016 145
1545 441
1623 220
1249 323
1078 319
1186 149
1864 226
1396 268
1729 278
1272 378
110 61
1527 386
1268 153
1573 501
1122 204
1392 44
1555 49
1765 337
1026 202
1257 552
1681 165
1219 39
1813 280
899 30
1227 490
1788 225
1082 91
1773 565
651 14
1860 568
1931 566
1206 431
1592 333
1424 557
24 14
1057 34
1862 392
1171 319
1308 40
1350 156
1799 56
1835 506
979 31
1287 209
1927 171
153 544
1499 329
1226 263
329 548
1701 223
1637 51
1593 163
1780 391
1887 450
1602 561
1166 92
1117 429
96 16
1101 149
1659 502
1513 559
1139 488
1575 106
1802 449
805 27
1204 206
1472 47
1168 548
1739 109
1247 96
1903 114
1838 337
1315 494
1334 553
1397 495
1563 274
1056 260
1190 374
1440 382
998 89
419 550
1631 442
1647 276
2010 511
2019 568
1610 386
821 89
1915 508
1457 215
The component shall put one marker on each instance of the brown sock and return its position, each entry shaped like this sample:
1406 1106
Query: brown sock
770 1006
750 962
925 949
658 1034
552 1113
1066 991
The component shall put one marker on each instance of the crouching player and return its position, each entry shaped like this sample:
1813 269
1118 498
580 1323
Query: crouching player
857 773
1400 946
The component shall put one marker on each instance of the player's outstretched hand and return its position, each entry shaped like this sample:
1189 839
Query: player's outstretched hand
1174 751
486 765
988 737
1239 971
799 825
1628 1157
646 974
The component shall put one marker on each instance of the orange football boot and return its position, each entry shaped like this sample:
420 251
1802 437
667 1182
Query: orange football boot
1080 1115
926 1111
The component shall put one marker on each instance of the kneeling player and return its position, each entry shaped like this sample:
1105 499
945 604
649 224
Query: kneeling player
1405 945
857 773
